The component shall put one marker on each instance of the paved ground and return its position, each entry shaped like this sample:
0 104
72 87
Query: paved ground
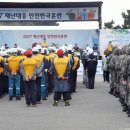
89 110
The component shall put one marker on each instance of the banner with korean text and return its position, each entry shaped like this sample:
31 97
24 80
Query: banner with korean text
25 38
51 14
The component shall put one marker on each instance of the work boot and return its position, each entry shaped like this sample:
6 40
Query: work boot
28 105
111 92
34 105
125 108
55 103
67 103
44 98
0 96
38 102
18 98
11 98
128 112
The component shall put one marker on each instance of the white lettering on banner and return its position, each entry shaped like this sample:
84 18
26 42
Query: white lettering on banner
60 14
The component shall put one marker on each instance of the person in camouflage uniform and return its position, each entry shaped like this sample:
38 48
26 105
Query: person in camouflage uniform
126 81
117 68
110 66
122 86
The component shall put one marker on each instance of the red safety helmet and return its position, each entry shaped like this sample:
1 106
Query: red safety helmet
28 52
60 52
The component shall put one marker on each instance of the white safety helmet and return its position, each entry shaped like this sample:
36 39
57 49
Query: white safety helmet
13 50
90 51
23 51
19 48
87 48
3 53
44 50
35 49
2 48
39 47
54 48
69 48
9 50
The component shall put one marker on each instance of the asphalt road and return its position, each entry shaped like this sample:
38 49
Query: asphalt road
89 110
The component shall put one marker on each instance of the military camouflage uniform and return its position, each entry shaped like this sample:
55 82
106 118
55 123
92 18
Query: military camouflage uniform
126 77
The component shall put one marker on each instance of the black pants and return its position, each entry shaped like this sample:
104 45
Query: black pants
57 96
106 76
74 81
48 82
21 85
38 89
5 84
30 91
71 83
91 80
1 86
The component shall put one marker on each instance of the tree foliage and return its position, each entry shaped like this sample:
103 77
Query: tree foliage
126 24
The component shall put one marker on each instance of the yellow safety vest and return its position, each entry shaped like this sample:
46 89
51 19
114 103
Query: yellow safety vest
60 65
39 60
76 61
13 63
1 68
29 66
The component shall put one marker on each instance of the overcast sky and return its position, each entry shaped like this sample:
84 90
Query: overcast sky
111 9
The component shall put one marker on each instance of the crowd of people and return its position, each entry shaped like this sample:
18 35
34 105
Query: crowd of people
117 63
38 72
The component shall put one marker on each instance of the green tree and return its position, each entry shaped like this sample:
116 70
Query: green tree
126 24
109 25
126 17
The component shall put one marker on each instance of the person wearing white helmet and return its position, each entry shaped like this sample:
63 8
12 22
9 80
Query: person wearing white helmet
91 66
90 51
40 62
14 75
84 59
44 81
39 47
47 64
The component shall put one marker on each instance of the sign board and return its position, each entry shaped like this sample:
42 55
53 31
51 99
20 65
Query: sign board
49 14
25 38
118 37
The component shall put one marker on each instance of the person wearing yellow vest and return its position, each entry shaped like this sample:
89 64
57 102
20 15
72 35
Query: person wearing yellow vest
5 73
28 70
40 62
110 47
74 71
60 67
1 76
14 76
